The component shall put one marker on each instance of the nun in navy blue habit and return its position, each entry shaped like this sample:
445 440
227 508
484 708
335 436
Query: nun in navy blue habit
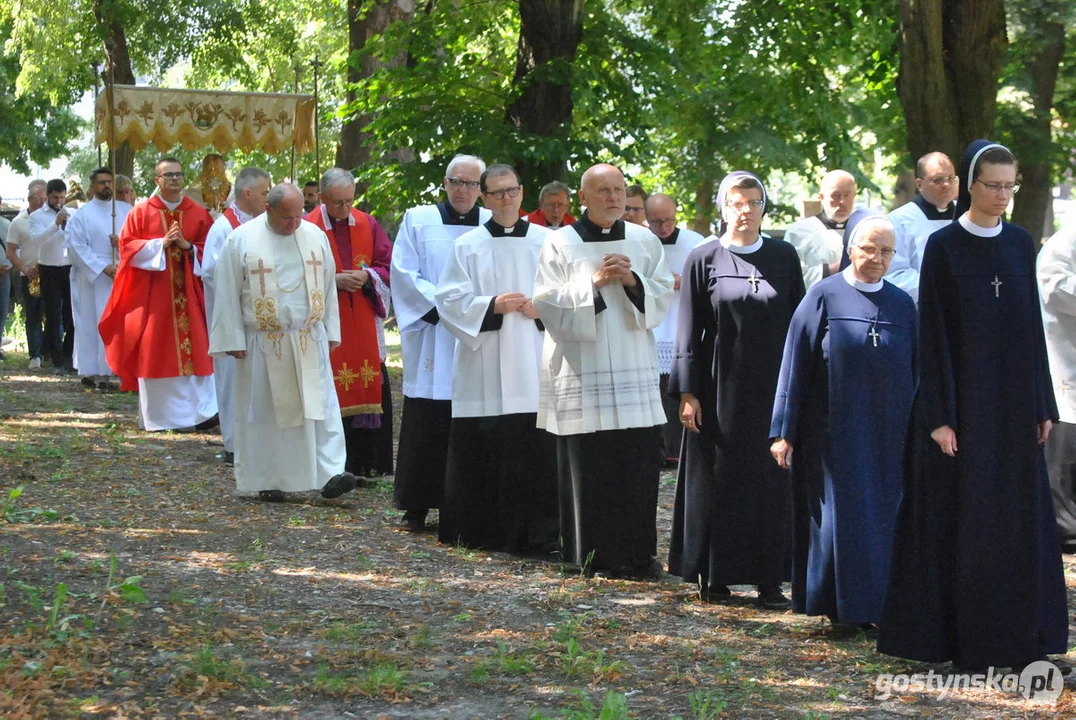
976 577
732 517
839 419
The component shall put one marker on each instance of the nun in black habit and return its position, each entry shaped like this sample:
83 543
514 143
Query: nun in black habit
732 520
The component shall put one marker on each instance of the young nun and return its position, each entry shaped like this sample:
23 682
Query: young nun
732 518
976 577
839 420
501 481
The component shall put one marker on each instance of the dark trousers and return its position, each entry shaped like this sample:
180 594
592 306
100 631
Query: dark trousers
59 325
31 311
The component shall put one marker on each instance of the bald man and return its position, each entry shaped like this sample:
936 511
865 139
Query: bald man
602 287
677 242
931 210
819 240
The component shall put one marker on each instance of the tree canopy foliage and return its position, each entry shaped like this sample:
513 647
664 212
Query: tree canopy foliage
677 92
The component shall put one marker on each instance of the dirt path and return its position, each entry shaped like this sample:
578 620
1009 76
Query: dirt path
134 583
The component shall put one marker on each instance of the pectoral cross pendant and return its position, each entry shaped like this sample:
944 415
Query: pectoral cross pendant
874 332
997 285
754 280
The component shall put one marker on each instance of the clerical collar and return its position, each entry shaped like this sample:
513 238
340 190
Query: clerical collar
171 205
592 233
726 242
671 240
979 230
449 215
849 277
830 224
932 212
497 230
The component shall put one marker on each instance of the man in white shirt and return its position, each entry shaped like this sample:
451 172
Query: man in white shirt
5 279
47 230
22 254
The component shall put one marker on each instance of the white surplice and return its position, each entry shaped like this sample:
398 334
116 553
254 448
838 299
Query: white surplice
816 244
496 371
283 312
422 247
223 365
1056 271
90 251
600 368
913 228
665 333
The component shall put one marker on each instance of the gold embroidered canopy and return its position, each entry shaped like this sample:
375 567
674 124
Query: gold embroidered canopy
196 119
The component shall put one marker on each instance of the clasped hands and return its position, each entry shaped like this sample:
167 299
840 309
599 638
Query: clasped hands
515 302
614 267
352 280
174 236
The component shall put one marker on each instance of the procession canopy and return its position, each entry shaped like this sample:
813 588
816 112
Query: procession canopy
196 119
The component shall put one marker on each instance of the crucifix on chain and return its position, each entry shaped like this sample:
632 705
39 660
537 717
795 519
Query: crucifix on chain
997 285
874 332
754 280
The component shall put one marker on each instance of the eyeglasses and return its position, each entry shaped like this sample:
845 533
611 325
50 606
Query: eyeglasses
511 192
662 221
554 205
457 182
998 189
340 203
171 175
741 206
633 208
943 180
873 252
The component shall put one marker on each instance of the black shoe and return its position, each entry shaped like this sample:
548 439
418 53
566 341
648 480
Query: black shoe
271 495
770 597
1064 666
345 482
208 424
415 520
716 594
87 381
106 386
227 458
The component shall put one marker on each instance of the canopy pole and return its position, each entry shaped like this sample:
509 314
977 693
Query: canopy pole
295 89
317 138
111 68
96 92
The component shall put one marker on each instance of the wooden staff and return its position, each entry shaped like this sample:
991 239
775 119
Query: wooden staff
110 59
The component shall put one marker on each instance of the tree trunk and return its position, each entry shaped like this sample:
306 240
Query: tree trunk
549 34
354 149
118 70
705 211
950 61
1032 141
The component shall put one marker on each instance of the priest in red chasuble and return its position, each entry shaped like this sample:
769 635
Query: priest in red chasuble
362 252
154 326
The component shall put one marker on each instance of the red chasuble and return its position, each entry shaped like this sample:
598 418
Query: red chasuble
154 324
357 362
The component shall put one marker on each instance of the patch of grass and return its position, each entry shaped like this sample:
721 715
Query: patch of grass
705 705
385 679
296 521
422 639
206 663
465 553
346 631
614 707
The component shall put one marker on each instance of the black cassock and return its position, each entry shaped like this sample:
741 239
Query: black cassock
732 520
977 576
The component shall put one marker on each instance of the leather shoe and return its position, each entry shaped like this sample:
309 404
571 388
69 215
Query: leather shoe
414 520
345 482
770 597
271 495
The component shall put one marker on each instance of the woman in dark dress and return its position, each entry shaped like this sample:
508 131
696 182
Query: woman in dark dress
977 577
732 521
